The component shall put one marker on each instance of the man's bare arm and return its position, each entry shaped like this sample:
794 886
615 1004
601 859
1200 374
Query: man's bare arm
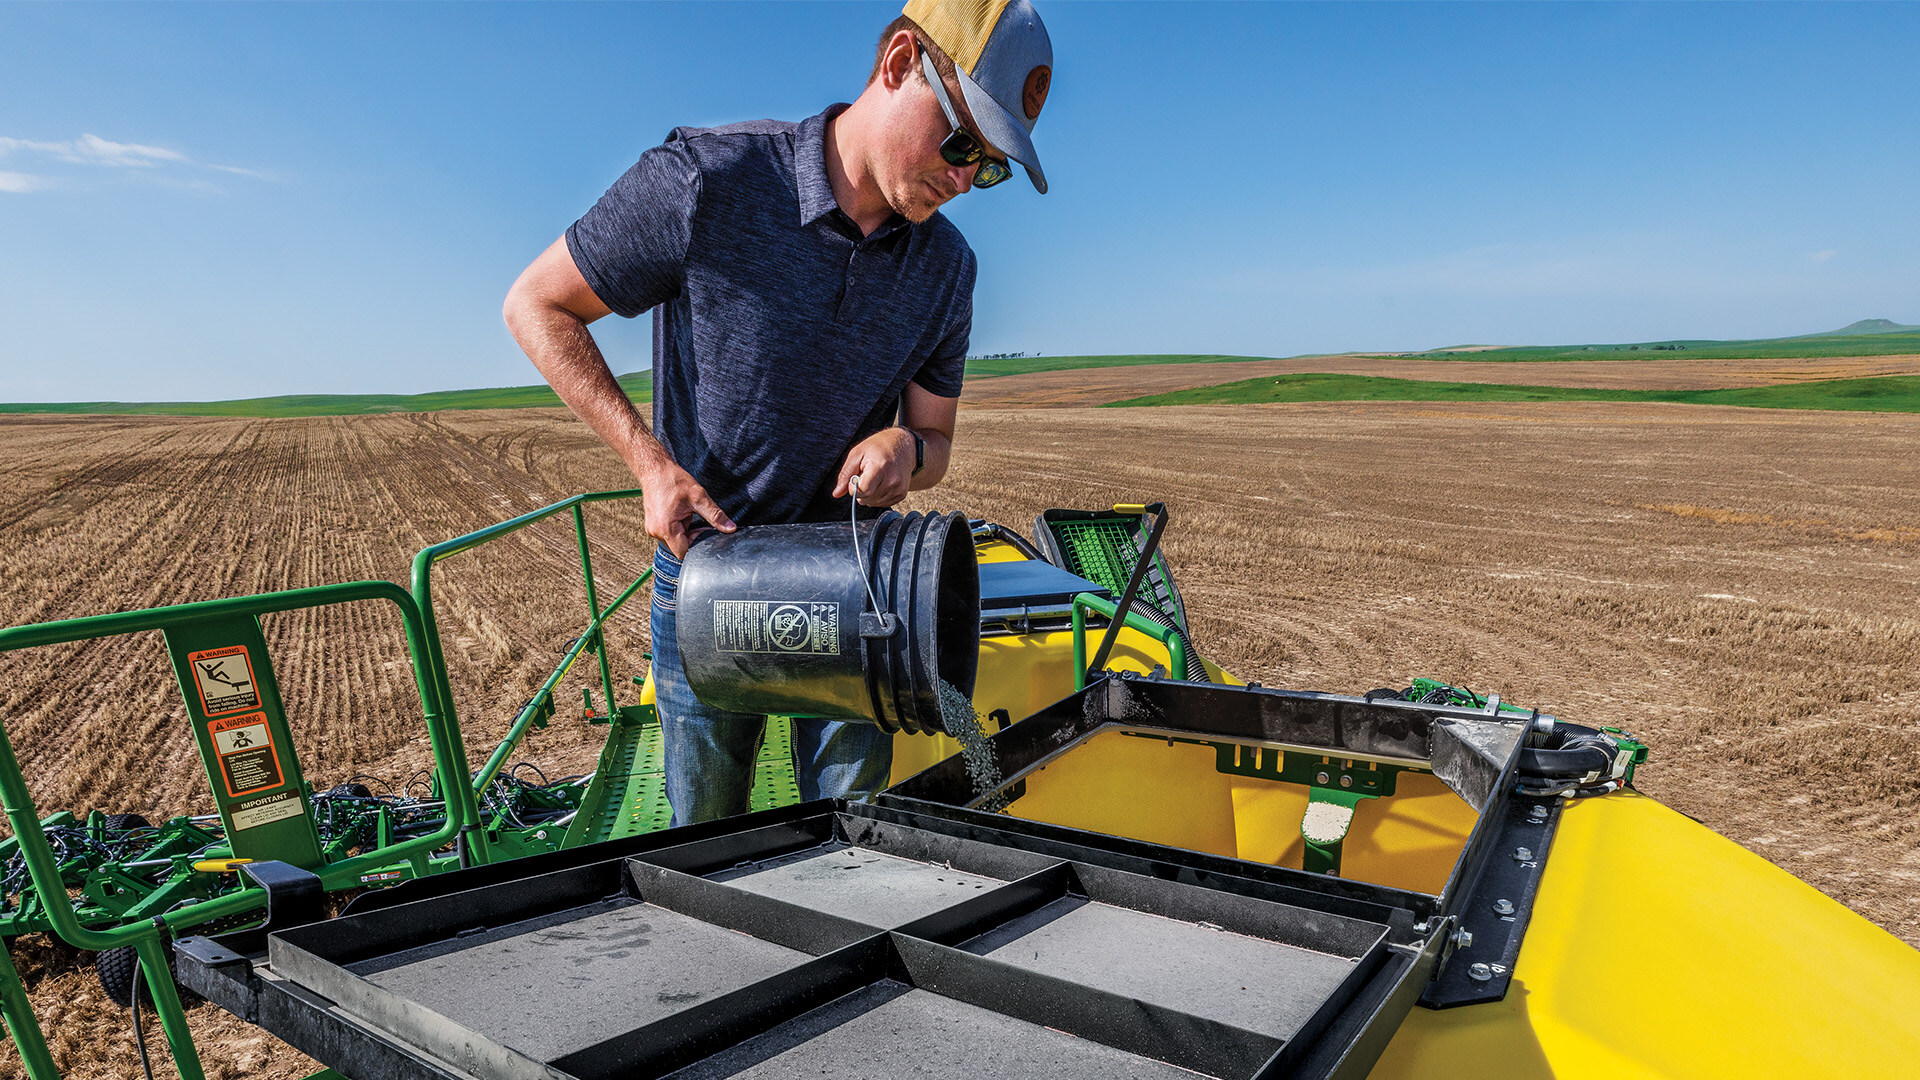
547 311
884 460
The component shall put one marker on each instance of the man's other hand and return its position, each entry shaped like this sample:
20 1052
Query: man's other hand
672 498
883 462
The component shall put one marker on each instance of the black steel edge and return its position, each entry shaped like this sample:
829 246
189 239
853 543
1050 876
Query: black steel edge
656 1049
1364 970
1497 934
217 973
312 1025
402 1020
1474 854
1397 908
1352 1043
493 873
1337 724
1124 1023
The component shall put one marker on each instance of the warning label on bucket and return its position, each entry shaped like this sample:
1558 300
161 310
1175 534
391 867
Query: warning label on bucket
267 809
773 626
244 746
225 679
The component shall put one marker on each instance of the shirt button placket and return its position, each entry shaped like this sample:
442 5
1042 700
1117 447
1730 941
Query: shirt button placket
846 284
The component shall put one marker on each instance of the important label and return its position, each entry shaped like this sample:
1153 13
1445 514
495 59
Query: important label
267 808
244 745
225 679
774 626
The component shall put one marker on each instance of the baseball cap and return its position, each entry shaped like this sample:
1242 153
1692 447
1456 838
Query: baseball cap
1004 61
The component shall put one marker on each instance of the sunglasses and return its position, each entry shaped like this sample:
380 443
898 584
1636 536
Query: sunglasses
961 148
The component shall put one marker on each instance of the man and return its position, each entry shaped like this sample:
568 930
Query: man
812 313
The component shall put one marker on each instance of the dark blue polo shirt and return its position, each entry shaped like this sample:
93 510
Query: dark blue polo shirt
782 336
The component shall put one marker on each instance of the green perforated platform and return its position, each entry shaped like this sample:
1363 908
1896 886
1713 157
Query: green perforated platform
628 793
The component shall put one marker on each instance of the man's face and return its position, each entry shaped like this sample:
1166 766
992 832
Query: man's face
914 177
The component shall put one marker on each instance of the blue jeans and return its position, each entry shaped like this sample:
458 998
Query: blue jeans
710 752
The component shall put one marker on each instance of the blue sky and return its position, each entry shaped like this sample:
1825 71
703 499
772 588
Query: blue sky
215 201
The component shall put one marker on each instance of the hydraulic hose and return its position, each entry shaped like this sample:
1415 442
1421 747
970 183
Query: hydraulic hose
1576 761
1009 537
1197 670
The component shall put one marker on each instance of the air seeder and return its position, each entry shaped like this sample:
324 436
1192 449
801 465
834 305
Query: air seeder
1141 867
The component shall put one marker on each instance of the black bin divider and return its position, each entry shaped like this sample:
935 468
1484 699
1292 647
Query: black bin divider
653 1050
351 939
704 857
1287 924
1124 1023
767 918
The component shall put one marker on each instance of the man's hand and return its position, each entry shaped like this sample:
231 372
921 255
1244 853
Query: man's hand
548 310
672 499
883 462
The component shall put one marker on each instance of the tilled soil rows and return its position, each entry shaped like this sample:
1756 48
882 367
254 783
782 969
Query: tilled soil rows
1738 587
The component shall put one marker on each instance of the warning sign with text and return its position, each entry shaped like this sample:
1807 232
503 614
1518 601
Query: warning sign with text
244 745
225 679
773 626
267 809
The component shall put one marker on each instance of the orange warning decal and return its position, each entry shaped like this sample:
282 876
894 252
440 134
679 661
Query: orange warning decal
224 678
244 745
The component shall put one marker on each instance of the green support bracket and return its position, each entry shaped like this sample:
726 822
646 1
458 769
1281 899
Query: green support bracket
1324 828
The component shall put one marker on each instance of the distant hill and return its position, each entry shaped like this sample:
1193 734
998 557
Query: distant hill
638 385
1869 326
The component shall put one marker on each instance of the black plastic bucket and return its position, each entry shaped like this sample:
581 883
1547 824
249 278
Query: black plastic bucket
770 619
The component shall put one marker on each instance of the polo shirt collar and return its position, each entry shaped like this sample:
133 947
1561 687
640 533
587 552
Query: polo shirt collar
810 172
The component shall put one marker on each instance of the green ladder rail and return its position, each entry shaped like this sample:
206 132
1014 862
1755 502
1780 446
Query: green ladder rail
473 845
146 936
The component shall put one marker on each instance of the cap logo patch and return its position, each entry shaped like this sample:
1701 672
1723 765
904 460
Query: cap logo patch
1039 81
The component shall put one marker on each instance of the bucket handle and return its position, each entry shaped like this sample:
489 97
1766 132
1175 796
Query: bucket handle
875 623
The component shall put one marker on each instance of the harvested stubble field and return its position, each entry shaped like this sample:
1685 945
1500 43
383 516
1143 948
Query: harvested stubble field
1737 586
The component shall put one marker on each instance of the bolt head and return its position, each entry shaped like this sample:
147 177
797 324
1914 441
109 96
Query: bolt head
1503 907
1346 781
1538 813
1480 973
1320 778
1522 854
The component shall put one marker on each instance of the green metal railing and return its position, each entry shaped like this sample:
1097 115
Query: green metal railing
1177 658
146 937
473 846
461 793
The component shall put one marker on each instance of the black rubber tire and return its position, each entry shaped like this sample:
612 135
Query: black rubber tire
351 791
115 968
119 823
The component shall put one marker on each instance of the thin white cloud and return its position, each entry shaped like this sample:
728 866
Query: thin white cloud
18 183
1823 256
92 150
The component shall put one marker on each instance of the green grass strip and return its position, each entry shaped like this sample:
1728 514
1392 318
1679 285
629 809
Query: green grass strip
1793 348
1892 393
1026 365
639 387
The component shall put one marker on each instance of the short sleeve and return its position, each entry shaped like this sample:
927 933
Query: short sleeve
942 372
631 247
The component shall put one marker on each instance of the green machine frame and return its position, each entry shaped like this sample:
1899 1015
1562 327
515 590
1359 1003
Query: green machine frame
220 659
